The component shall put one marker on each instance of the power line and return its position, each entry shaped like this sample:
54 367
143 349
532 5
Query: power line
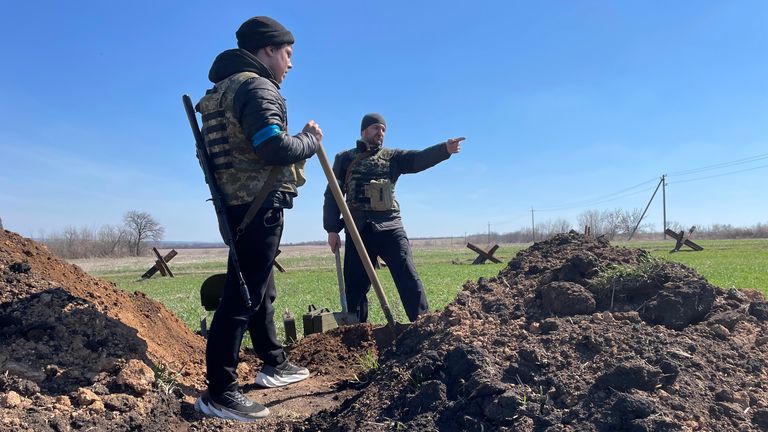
601 199
720 165
719 175
622 193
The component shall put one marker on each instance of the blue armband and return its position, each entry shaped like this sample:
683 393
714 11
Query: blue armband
264 134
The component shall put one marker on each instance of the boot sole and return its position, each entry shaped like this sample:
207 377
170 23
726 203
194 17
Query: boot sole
266 381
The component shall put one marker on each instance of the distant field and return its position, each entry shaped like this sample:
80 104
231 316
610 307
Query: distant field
311 276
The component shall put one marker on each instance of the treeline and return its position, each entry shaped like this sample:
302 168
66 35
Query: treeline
132 238
616 225
725 231
139 230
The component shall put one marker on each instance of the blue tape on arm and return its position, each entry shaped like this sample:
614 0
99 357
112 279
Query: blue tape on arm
262 135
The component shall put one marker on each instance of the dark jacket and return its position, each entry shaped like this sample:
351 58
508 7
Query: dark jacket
258 104
402 162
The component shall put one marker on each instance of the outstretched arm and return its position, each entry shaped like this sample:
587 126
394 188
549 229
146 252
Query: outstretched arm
419 160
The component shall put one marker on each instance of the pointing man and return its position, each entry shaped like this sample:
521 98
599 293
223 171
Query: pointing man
367 175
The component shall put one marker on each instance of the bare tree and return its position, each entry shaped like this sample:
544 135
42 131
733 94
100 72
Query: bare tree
70 242
561 226
611 223
111 241
141 226
591 219
550 227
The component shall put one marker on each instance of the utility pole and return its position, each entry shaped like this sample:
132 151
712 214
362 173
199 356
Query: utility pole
533 227
646 208
489 233
664 201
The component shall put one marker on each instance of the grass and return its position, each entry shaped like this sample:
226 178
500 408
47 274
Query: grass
366 363
166 380
617 274
311 279
725 263
369 361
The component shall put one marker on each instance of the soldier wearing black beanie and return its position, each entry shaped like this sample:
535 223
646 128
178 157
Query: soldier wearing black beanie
370 119
367 175
262 31
258 168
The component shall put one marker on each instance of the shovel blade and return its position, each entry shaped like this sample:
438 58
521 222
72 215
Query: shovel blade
211 291
345 318
385 336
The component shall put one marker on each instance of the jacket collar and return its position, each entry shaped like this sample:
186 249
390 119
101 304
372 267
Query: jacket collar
235 61
363 146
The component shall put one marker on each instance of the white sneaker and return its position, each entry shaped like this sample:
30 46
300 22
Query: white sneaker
283 374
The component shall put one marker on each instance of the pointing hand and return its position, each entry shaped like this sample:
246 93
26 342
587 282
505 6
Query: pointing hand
453 145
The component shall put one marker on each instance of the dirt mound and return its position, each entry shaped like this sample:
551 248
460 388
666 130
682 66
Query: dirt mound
32 279
575 335
77 353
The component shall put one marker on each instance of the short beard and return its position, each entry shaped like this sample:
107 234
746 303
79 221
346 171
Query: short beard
372 145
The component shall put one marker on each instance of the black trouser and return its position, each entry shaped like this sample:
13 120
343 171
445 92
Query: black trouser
393 247
256 249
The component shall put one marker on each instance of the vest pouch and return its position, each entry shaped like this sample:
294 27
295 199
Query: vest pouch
380 194
298 173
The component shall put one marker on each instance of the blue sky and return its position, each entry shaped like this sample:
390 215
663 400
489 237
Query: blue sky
562 103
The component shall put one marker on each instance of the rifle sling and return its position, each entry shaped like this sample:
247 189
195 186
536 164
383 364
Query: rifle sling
257 201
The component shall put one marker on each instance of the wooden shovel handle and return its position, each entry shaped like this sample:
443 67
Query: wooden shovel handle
352 230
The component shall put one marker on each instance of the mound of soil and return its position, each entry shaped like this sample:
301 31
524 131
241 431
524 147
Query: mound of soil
77 353
575 335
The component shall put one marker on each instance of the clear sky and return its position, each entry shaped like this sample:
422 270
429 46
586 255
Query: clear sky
562 103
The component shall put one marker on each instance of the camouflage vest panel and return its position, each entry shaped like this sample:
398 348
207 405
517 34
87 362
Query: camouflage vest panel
240 173
367 169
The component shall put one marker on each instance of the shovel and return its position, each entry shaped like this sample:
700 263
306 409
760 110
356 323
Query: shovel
351 228
343 317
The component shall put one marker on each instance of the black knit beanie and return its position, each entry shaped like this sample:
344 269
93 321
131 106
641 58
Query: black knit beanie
371 118
261 31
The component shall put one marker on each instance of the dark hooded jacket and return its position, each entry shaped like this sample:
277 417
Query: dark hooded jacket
258 104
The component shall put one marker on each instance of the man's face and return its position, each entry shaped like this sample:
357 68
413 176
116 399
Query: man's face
374 134
279 61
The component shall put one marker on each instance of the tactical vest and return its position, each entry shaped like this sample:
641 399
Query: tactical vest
368 183
240 173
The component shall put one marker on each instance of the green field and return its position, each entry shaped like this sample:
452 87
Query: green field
725 263
312 279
